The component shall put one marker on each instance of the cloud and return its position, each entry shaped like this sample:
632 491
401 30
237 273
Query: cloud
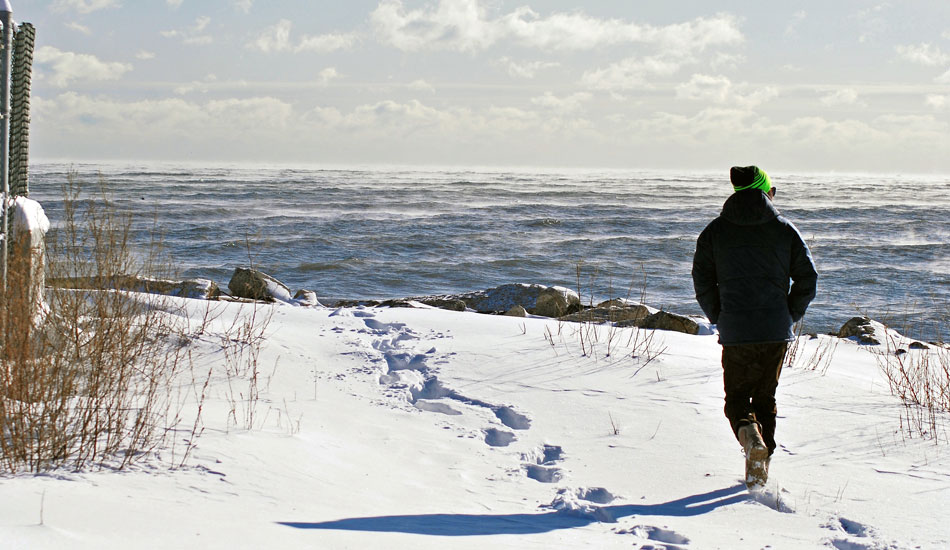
326 43
528 69
421 86
924 54
175 117
79 28
68 66
944 78
192 35
197 86
845 96
84 6
244 6
873 21
326 75
729 61
792 28
465 25
276 38
631 73
453 24
174 3
412 131
145 55
721 90
938 102
567 104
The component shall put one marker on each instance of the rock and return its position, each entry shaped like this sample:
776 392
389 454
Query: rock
505 297
614 311
257 285
864 330
451 304
516 311
555 301
356 303
397 302
664 320
306 298
200 289
918 345
502 298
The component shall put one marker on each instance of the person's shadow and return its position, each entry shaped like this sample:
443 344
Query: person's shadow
461 525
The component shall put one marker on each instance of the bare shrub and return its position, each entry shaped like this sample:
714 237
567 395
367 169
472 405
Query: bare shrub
919 375
811 351
241 344
87 382
598 336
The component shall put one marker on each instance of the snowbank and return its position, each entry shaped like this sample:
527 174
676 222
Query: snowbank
425 428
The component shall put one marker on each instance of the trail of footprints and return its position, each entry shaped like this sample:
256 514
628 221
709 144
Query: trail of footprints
407 375
403 368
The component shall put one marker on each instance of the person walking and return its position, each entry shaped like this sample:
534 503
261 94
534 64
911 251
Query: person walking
744 262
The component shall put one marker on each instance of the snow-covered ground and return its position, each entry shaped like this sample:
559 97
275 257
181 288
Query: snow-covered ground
423 428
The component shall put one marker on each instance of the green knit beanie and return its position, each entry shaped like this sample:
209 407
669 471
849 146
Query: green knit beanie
749 177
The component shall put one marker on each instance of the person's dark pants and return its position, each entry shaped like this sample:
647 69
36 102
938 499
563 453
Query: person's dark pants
750 375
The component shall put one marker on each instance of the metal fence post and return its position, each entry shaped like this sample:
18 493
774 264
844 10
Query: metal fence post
6 18
21 71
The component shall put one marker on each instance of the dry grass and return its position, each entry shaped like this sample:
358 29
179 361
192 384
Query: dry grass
920 376
84 380
99 378
599 337
811 352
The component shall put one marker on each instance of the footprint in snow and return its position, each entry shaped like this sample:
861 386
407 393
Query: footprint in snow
858 535
668 539
584 503
498 438
541 464
381 327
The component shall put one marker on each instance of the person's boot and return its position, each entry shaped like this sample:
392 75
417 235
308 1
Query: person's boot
756 455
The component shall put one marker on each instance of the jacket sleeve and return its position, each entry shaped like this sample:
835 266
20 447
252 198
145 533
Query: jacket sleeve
705 281
804 278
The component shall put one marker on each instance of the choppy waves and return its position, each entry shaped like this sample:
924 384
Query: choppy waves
882 244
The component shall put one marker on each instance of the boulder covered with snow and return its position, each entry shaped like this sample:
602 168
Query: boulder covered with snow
664 320
306 298
864 330
612 311
198 289
547 301
257 285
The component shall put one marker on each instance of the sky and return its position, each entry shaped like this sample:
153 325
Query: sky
849 85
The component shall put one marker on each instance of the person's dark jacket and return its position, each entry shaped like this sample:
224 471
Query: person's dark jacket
741 270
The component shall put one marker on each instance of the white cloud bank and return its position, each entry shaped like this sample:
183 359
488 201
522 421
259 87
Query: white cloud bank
570 128
67 67
527 69
192 35
721 90
466 25
277 38
924 54
84 6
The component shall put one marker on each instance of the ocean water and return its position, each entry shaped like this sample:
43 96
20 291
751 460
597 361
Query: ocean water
881 243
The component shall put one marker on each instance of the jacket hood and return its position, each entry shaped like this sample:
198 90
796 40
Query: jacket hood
750 207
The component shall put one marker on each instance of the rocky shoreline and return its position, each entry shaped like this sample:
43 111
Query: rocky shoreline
514 299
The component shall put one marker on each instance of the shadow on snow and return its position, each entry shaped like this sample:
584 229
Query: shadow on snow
461 525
